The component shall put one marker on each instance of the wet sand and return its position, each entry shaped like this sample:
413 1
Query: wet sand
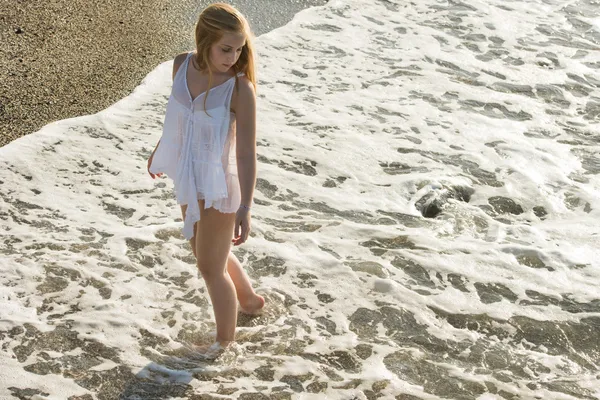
62 59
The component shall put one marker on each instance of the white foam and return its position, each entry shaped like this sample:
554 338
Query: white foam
341 89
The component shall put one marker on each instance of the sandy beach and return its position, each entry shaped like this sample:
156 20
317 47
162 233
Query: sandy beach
61 59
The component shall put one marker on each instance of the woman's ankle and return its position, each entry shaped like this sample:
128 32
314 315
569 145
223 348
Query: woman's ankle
225 343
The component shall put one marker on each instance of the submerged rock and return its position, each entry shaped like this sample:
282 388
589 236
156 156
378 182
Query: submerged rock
503 205
432 203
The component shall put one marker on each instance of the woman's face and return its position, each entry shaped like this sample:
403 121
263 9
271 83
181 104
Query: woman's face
225 53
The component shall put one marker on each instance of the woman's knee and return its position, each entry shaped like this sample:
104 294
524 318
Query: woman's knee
213 242
210 272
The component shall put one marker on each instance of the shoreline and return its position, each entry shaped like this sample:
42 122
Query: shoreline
70 58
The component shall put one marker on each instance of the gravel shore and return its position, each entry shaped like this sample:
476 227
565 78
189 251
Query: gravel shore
62 59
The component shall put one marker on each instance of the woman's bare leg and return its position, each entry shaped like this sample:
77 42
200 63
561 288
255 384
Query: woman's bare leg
212 244
250 302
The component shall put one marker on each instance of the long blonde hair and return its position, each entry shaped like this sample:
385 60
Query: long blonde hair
213 21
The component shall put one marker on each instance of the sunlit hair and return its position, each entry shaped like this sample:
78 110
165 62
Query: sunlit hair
213 22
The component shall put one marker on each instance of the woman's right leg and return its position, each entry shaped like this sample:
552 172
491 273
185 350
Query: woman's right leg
213 236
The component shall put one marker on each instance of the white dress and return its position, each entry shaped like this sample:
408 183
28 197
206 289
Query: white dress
197 150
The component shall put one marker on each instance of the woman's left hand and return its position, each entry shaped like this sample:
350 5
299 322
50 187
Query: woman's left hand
241 229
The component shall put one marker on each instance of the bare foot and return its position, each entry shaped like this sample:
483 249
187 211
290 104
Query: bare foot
253 306
206 352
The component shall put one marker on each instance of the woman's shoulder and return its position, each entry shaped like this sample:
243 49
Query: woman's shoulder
244 97
178 60
181 56
244 84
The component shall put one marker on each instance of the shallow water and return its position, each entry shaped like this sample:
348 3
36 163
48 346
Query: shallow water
425 223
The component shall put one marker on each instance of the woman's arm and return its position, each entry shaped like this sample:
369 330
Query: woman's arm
246 139
245 112
150 162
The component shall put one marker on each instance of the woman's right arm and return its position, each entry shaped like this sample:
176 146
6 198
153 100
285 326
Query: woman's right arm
176 64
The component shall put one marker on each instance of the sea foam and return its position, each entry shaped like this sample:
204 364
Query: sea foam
426 220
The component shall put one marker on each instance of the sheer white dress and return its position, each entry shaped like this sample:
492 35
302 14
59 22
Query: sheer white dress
197 148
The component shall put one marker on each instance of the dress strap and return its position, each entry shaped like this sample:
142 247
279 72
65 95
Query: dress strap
187 59
182 70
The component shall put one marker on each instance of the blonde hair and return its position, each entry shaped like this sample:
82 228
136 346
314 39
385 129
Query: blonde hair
213 22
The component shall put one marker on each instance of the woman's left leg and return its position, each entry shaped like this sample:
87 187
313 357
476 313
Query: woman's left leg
250 302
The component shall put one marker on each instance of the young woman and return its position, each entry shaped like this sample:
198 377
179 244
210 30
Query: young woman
208 148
